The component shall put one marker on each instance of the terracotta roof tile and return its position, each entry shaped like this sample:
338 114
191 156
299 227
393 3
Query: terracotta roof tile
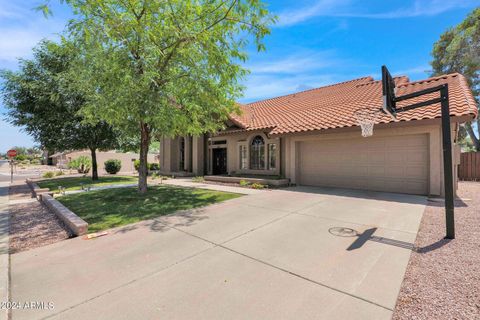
333 106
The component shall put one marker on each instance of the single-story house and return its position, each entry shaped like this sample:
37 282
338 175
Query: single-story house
312 138
61 159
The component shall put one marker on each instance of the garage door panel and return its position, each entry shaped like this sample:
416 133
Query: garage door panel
394 171
418 156
373 163
378 171
396 157
376 157
415 171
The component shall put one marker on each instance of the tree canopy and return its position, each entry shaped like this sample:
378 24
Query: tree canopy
164 68
458 50
40 98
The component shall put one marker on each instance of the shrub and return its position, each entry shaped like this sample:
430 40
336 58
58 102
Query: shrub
81 164
21 157
48 174
58 173
198 179
36 161
113 166
244 183
153 166
136 164
257 186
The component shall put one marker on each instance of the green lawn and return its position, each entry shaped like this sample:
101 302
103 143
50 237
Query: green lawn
104 209
75 183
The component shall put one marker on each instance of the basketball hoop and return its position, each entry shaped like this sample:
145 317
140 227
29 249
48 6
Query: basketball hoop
366 118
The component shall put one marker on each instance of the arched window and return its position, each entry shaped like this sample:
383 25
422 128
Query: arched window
257 153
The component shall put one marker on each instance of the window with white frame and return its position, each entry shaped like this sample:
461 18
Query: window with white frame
243 157
272 156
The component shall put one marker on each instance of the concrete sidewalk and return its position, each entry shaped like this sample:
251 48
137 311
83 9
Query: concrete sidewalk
268 255
187 182
181 182
4 257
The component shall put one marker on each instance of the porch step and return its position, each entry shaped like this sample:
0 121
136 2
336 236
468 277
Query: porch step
265 181
176 174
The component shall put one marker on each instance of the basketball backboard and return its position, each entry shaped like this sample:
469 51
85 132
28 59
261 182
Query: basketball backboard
388 91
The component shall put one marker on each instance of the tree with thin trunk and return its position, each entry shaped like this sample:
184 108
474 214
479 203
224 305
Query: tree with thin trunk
164 68
40 99
458 50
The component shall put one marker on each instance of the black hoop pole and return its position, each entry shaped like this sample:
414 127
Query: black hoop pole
447 164
446 146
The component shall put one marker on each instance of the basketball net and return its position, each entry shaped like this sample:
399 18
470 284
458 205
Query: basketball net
366 118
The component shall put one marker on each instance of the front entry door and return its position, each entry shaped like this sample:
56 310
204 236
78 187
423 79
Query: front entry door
219 161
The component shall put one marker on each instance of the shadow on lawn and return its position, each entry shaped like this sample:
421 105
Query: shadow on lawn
166 205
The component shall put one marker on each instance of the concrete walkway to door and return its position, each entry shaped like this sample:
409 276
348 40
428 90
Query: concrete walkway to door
278 254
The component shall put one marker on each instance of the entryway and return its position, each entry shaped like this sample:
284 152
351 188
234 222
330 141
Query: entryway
219 161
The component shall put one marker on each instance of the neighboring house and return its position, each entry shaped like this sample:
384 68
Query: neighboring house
312 138
61 159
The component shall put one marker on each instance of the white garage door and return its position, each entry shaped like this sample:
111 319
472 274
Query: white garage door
394 164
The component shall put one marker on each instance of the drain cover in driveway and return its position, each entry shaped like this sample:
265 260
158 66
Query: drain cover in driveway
343 232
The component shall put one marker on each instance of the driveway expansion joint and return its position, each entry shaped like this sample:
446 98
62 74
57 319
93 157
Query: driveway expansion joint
285 270
131 282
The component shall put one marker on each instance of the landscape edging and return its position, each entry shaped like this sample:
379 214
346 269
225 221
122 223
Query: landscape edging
77 225
36 190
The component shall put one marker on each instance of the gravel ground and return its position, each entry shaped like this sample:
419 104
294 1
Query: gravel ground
442 280
31 224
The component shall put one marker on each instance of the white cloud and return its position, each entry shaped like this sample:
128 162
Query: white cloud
418 70
13 136
345 8
295 72
268 86
16 43
21 28
305 61
320 8
9 10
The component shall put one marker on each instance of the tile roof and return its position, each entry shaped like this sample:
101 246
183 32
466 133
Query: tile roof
333 106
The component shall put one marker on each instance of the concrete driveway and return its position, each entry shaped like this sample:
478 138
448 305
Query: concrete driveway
280 254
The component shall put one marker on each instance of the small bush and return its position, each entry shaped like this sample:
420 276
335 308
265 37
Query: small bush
257 186
36 161
244 183
150 166
153 166
21 157
198 179
113 166
59 173
136 164
48 174
81 164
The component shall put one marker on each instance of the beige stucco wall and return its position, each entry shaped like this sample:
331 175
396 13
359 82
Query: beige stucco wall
287 164
233 142
432 129
125 158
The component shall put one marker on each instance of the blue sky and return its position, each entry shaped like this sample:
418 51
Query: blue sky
315 42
